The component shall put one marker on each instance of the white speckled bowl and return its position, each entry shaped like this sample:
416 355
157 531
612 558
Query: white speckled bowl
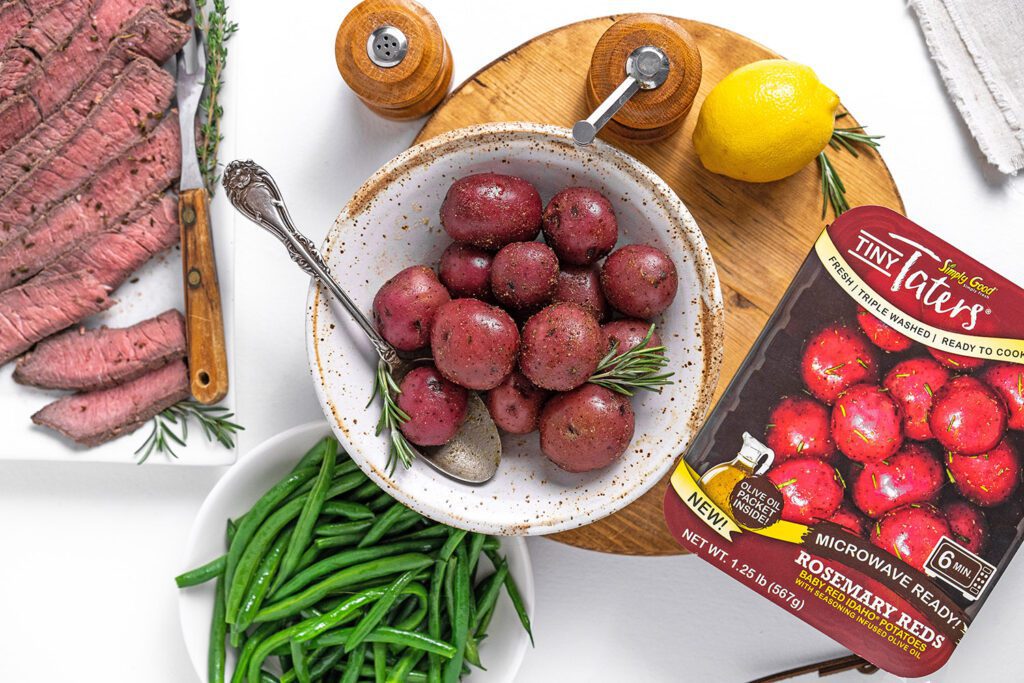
392 223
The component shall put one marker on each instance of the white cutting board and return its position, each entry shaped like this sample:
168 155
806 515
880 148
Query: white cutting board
152 290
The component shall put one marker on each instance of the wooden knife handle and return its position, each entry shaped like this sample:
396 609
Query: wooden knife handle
204 321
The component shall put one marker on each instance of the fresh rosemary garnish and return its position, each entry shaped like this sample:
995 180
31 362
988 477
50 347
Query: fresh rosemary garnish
833 192
217 30
391 417
170 428
638 368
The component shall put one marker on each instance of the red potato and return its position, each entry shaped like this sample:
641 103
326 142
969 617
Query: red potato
474 344
911 532
967 417
1007 379
466 271
835 358
810 489
435 406
968 524
524 275
880 334
798 426
866 424
579 224
913 475
955 361
586 429
562 346
406 305
628 334
988 479
639 281
490 210
515 404
851 520
581 285
913 384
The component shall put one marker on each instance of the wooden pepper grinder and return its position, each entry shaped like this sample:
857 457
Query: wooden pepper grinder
392 54
643 77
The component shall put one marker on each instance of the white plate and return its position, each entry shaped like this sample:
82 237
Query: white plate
392 222
501 652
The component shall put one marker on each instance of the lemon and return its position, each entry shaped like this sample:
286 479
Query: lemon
765 121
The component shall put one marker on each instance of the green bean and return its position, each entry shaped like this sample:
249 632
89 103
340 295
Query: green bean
339 541
380 664
341 528
490 589
267 677
416 615
381 501
435 531
307 520
252 521
353 664
351 511
434 617
324 660
382 524
408 521
455 537
217 657
260 585
347 577
245 655
315 455
459 617
473 652
492 543
210 570
389 635
476 544
367 671
449 587
349 557
377 612
513 593
408 662
262 539
366 492
299 662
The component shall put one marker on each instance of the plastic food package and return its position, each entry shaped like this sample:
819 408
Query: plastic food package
862 469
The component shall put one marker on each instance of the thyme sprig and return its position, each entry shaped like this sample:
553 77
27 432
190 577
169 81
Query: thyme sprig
391 417
170 428
638 368
217 30
833 192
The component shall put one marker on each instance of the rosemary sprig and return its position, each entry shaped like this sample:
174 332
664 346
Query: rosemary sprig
170 428
391 417
636 369
217 30
833 192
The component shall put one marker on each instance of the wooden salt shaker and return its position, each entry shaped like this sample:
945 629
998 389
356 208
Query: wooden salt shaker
393 55
660 63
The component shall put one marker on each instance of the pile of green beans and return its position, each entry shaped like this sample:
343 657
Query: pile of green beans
338 582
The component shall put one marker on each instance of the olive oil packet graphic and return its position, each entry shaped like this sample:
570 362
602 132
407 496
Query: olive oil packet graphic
863 468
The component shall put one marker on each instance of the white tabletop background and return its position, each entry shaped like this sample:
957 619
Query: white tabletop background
87 552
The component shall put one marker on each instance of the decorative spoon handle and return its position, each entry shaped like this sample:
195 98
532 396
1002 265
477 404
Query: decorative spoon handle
252 191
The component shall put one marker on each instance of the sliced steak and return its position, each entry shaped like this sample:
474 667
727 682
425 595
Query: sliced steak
85 360
152 36
114 254
146 169
131 109
95 417
45 306
42 35
14 16
70 30
63 71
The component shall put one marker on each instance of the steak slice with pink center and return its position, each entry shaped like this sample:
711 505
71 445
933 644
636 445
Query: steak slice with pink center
85 360
98 416
45 306
152 36
113 255
146 169
130 110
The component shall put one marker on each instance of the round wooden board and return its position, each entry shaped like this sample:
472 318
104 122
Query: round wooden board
758 234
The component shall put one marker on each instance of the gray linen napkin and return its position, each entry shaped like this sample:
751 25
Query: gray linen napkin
977 47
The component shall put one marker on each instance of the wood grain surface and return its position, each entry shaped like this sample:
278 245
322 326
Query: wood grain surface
758 233
204 321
